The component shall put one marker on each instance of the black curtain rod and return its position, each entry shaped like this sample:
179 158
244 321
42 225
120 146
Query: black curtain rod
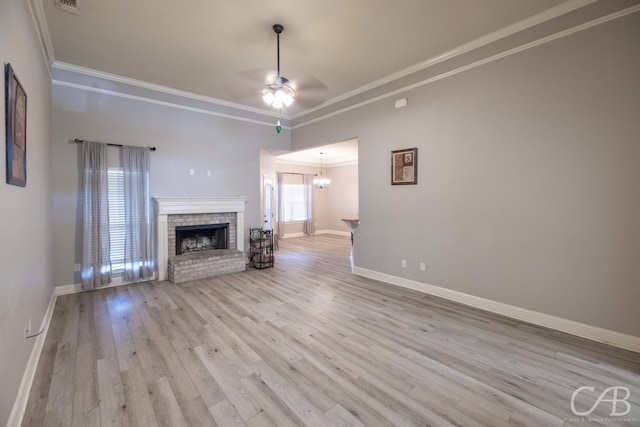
78 141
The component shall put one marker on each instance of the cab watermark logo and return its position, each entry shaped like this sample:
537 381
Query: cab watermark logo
618 396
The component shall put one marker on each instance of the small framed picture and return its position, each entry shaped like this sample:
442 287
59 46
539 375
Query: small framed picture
16 126
404 167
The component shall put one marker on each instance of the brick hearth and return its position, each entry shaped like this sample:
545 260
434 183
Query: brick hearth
200 265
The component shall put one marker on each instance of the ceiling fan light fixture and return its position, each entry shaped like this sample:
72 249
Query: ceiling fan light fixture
268 96
278 94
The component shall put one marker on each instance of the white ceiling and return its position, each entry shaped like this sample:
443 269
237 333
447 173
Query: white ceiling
221 49
338 154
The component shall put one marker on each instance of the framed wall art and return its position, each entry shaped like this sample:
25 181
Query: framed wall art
404 167
16 126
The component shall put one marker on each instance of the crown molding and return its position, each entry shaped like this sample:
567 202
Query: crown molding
508 52
90 72
489 38
566 7
42 29
529 22
344 161
162 103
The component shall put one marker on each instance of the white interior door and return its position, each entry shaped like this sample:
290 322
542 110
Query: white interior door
268 203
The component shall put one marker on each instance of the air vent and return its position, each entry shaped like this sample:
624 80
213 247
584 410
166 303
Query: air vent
68 5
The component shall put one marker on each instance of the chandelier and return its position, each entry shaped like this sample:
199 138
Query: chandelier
321 182
280 93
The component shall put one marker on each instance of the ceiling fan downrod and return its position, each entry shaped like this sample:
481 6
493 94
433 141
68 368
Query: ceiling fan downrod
279 94
278 30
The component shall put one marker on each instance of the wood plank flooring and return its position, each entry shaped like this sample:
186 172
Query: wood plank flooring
307 343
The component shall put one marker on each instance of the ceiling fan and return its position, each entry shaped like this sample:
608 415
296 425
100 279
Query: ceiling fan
263 86
279 93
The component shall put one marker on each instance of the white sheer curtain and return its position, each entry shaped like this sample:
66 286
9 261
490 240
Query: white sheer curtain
96 261
310 222
138 248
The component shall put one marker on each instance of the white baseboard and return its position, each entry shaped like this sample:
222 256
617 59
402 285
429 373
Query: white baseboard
336 232
74 288
594 333
290 235
20 404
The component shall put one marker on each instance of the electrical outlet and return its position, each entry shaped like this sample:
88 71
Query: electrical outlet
423 266
76 267
208 173
404 263
192 172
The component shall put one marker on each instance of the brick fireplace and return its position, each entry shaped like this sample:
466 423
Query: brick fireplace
172 212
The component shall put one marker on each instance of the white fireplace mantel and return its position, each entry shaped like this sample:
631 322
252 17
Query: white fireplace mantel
165 206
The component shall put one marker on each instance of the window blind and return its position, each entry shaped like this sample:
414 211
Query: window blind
115 178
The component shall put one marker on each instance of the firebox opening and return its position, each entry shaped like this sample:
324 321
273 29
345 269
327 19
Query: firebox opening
194 238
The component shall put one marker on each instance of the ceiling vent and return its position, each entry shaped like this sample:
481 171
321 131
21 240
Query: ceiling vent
68 5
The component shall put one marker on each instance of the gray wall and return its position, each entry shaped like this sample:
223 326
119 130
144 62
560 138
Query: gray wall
342 197
528 179
25 252
229 148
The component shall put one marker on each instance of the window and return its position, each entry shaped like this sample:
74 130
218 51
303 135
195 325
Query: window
115 179
293 198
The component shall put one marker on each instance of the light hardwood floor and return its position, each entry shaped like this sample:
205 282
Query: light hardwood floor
308 343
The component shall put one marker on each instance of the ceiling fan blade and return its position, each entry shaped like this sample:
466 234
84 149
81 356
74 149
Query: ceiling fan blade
256 76
245 87
306 82
309 90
